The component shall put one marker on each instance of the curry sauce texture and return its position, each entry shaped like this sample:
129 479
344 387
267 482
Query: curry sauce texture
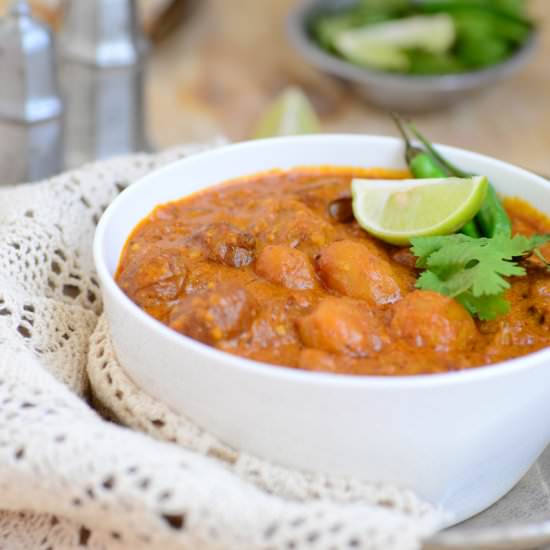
260 268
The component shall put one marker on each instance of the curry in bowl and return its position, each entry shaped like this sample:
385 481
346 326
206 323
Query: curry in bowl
273 267
171 265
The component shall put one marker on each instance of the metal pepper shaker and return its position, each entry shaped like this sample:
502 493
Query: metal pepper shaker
31 129
103 66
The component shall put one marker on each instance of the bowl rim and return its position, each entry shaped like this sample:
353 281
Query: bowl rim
296 24
282 373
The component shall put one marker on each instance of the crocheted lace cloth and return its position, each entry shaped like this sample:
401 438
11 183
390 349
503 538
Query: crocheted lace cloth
87 460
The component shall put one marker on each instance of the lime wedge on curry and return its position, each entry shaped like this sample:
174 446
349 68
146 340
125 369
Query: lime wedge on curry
396 211
384 45
290 114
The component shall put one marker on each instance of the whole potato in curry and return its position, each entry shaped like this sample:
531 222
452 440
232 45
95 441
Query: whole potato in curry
357 269
426 319
214 314
341 325
155 276
226 244
287 267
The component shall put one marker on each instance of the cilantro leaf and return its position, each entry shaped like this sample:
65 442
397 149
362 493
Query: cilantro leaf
428 280
473 271
424 247
486 308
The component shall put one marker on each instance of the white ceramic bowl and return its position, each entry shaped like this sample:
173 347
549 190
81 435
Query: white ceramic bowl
459 440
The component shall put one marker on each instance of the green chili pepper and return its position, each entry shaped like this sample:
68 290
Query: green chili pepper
425 165
451 168
492 219
471 229
420 163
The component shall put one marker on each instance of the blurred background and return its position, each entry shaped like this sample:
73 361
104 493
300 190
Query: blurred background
214 66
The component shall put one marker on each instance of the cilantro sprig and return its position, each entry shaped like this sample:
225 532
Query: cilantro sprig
473 270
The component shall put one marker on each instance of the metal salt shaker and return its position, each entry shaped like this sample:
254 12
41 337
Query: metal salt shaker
103 69
31 128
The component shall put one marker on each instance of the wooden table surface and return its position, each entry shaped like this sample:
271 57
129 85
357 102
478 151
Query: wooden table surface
229 59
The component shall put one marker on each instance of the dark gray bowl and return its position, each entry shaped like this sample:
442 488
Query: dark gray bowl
392 91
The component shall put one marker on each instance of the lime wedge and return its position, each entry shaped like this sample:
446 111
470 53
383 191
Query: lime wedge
384 45
369 53
396 211
290 114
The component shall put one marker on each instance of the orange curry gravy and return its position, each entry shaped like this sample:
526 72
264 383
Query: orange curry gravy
257 267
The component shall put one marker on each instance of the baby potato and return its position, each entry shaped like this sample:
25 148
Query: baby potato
216 314
359 270
427 319
286 266
152 278
344 326
226 244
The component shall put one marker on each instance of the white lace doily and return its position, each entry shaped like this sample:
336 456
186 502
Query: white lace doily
69 478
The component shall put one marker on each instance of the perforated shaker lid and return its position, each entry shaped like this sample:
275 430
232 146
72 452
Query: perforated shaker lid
29 90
